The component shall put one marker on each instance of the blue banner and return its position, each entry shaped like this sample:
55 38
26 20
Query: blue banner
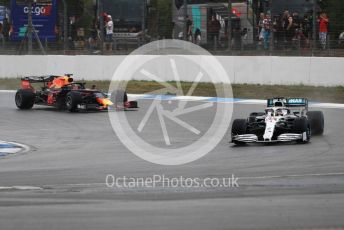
44 17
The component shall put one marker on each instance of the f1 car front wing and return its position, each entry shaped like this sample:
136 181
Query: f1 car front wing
252 138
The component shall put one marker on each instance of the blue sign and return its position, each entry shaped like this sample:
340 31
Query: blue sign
44 17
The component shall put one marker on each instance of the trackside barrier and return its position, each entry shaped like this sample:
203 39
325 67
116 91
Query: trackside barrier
270 70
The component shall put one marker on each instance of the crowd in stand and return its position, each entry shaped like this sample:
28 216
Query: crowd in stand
284 31
289 30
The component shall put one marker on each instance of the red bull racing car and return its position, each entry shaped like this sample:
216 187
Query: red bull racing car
284 120
63 93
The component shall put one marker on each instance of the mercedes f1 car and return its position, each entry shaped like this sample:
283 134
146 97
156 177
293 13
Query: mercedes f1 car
63 93
284 120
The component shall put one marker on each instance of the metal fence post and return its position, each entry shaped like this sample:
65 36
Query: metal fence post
271 38
65 26
101 24
229 26
29 28
144 21
299 43
314 43
328 44
185 20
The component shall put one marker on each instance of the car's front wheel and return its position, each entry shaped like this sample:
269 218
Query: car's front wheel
239 127
302 126
73 99
316 120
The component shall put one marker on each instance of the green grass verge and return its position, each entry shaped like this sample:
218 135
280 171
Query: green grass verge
321 94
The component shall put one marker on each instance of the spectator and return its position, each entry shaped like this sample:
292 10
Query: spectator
244 37
285 23
284 18
109 33
267 31
290 31
94 30
296 21
261 27
237 37
92 40
307 26
6 29
323 29
189 29
278 31
341 40
214 30
198 36
109 29
73 29
105 20
304 41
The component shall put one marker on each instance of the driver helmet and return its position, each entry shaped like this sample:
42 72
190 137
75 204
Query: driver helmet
279 112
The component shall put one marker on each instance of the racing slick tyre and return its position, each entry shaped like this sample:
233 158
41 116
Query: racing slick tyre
302 126
239 127
25 99
72 101
316 120
119 97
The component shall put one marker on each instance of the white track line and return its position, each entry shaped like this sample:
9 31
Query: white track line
296 175
8 91
21 188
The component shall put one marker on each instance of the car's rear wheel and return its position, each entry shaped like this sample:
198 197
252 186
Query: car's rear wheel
239 127
302 126
25 99
73 99
316 120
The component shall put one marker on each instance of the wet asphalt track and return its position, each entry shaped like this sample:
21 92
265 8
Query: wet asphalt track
281 186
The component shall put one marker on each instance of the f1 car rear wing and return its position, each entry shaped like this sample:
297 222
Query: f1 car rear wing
39 79
46 78
287 102
47 81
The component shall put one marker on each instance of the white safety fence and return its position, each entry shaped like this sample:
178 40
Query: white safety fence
271 70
